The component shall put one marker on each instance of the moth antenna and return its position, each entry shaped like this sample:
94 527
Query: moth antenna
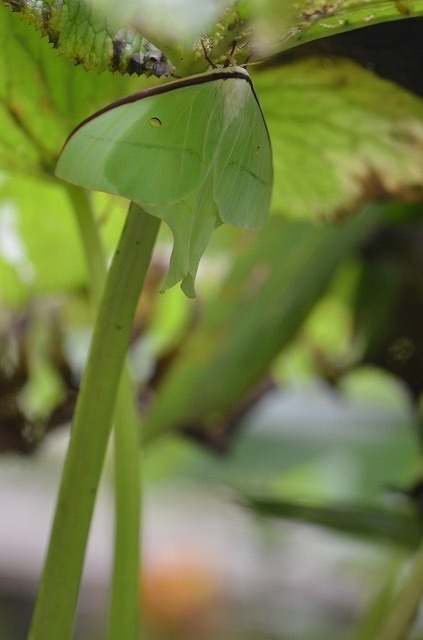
230 60
248 58
206 55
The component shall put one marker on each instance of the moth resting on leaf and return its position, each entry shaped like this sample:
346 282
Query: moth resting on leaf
193 152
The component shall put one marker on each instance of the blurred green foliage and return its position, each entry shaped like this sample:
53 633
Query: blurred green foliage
301 305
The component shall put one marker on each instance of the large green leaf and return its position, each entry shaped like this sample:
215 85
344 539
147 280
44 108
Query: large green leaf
341 136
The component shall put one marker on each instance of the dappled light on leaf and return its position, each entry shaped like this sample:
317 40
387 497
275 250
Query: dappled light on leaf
341 136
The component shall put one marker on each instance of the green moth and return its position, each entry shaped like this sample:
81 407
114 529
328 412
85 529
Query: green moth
193 152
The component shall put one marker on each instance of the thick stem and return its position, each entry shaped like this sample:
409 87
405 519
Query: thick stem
58 590
124 600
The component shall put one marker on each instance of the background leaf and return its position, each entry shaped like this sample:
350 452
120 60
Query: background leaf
341 136
40 251
373 523
285 25
43 96
280 278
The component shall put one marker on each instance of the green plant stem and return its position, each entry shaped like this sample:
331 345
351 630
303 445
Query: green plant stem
92 245
401 614
124 604
58 589
123 621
